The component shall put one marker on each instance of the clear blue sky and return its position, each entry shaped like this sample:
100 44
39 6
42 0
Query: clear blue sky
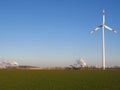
56 32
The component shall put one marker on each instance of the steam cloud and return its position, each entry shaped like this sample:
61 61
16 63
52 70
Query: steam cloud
81 62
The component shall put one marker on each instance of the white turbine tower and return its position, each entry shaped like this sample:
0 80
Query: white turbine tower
103 26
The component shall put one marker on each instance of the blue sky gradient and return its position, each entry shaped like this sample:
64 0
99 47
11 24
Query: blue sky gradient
50 33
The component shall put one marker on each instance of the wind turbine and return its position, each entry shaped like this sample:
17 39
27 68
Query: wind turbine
103 26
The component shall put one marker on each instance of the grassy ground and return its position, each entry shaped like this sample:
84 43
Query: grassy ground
59 80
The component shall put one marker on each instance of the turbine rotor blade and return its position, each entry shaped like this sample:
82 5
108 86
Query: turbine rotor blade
95 29
110 29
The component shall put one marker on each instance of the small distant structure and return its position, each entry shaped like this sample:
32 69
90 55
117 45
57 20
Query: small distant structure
8 64
80 64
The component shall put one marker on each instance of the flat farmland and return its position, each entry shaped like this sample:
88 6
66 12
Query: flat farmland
59 80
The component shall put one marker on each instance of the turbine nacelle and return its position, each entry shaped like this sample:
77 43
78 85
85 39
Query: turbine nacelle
103 12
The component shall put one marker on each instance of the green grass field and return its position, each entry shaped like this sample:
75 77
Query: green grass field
59 80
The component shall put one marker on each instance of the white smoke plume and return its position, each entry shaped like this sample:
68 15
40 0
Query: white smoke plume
81 62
